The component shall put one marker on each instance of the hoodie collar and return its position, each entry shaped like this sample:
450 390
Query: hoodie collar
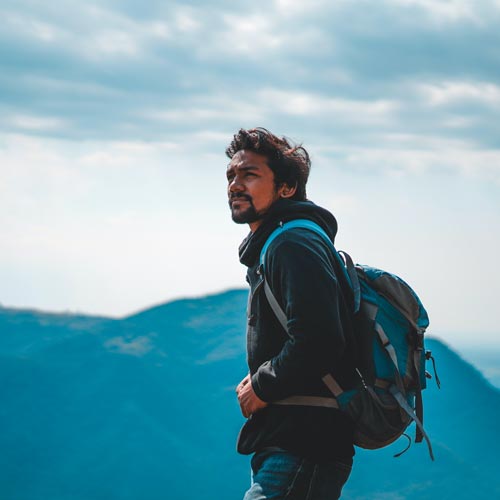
284 210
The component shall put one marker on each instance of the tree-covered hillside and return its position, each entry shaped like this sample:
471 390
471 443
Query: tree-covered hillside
144 408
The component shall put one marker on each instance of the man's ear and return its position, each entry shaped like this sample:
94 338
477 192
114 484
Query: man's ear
285 191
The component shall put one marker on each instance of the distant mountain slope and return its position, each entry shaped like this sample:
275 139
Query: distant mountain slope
144 408
486 358
24 331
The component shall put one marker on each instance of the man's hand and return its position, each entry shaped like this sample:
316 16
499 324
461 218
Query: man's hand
249 401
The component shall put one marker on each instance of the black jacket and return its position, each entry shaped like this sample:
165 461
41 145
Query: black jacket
306 281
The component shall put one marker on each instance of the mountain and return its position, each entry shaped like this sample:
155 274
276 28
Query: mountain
144 408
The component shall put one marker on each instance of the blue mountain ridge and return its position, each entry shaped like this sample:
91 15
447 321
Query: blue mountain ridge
144 408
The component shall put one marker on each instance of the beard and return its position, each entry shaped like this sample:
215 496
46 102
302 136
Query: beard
244 216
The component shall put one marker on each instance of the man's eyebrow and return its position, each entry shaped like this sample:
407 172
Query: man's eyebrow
247 168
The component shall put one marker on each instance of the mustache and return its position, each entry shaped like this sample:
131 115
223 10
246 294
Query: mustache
240 196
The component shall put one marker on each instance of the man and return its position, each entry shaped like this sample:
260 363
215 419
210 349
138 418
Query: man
300 452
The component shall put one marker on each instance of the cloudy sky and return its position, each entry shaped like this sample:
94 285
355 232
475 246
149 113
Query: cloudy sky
114 117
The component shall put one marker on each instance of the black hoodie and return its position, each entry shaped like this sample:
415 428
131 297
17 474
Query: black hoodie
306 281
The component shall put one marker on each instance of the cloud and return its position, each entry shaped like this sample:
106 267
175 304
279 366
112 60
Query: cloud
27 123
450 11
168 71
323 107
438 158
114 117
447 93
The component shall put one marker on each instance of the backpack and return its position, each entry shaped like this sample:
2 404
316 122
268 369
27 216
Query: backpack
389 322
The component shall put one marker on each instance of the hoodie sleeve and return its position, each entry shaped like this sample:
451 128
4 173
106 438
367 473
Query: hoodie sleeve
301 276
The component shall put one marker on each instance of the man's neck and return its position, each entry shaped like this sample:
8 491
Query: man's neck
255 225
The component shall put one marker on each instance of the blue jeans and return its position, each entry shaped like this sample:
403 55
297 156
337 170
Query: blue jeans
281 475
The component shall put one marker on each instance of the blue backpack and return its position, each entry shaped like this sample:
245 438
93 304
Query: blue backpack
389 324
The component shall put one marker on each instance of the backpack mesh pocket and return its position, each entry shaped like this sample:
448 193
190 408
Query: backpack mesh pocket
378 418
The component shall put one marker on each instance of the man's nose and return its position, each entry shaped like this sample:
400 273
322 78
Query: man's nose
235 185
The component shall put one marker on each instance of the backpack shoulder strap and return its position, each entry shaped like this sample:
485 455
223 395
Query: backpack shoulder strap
328 379
297 223
278 312
346 263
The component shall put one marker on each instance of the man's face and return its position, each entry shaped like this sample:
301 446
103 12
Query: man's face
251 188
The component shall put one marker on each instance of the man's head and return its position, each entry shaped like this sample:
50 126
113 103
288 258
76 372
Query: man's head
263 169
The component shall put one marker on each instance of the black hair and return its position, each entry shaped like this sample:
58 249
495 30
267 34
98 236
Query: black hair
289 162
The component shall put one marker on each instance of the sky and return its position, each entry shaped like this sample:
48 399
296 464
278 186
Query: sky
115 115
